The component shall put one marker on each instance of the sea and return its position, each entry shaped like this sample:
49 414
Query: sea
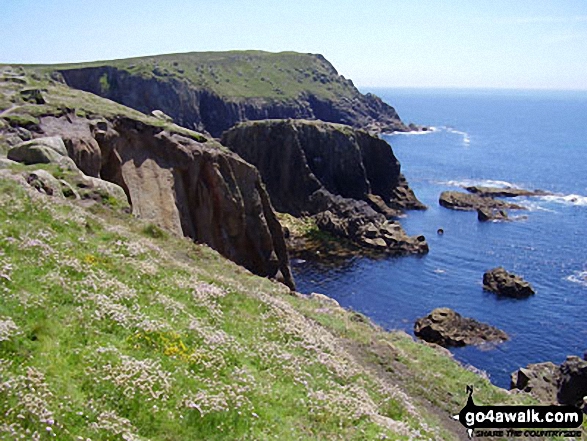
502 138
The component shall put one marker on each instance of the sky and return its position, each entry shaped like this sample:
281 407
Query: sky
513 44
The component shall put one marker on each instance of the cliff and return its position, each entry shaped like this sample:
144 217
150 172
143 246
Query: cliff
212 91
350 179
178 179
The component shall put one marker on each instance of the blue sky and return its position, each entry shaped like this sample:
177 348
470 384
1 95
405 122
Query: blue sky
444 43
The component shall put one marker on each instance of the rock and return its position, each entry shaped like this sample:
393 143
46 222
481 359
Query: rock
506 192
572 381
97 189
196 189
446 327
162 116
6 163
487 214
469 202
348 179
501 282
325 300
39 151
565 384
540 380
34 96
44 182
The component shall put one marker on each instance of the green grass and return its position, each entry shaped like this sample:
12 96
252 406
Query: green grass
111 329
237 74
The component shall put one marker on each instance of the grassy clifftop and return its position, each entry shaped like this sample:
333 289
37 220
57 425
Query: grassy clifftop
111 329
239 74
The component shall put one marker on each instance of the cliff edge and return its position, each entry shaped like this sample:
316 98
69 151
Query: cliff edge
212 91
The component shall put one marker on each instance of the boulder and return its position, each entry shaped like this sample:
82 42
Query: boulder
39 151
501 282
162 116
44 182
34 96
446 327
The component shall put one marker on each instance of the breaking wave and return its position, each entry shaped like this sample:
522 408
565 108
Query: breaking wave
579 277
569 199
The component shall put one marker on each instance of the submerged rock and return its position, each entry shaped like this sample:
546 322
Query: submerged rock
446 327
501 282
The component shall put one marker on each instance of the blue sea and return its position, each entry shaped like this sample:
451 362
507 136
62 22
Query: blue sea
528 139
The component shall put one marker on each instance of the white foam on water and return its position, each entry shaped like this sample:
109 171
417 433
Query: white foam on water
568 199
579 277
465 135
479 183
414 133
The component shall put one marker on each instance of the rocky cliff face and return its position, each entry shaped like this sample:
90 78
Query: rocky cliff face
213 103
347 177
196 189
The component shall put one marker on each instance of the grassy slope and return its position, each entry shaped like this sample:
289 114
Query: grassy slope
61 100
111 329
241 74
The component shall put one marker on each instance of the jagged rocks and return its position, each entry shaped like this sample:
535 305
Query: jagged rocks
196 189
349 179
501 282
487 215
539 380
549 383
572 381
446 327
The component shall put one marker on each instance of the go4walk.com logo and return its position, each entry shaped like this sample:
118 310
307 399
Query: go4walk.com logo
519 421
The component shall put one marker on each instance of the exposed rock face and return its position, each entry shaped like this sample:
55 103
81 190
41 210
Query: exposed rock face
539 380
348 176
446 327
487 215
469 202
549 383
501 282
572 382
197 106
196 189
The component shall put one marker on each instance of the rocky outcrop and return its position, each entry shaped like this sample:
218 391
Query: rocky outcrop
349 179
488 215
192 188
194 97
539 380
446 327
196 189
501 282
504 192
457 200
550 384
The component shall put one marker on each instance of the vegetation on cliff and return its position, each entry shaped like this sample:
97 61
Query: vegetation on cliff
110 331
212 91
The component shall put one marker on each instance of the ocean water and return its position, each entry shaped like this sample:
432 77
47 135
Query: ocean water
529 139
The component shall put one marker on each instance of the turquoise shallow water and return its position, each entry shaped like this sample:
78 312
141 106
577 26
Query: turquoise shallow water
522 138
